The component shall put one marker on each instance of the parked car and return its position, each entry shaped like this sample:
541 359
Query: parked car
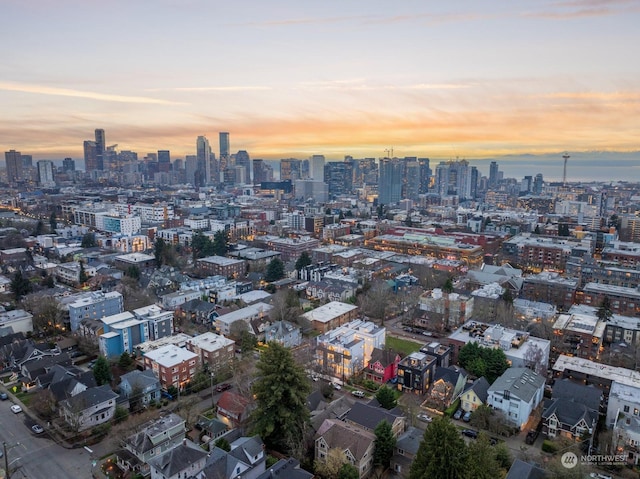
336 386
467 416
314 378
424 417
36 428
470 433
458 414
532 435
358 394
15 409
223 387
3 396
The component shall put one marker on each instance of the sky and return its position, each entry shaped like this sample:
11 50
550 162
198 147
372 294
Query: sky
444 80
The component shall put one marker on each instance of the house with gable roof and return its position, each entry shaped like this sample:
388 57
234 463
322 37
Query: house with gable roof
89 408
383 366
153 439
474 395
185 460
233 409
516 393
369 415
405 451
289 468
140 387
356 442
447 385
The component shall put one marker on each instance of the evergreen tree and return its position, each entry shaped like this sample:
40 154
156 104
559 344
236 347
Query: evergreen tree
102 371
82 277
303 260
125 360
88 240
347 471
384 444
386 397
481 459
223 444
20 285
201 246
281 416
275 270
447 287
220 243
53 224
442 453
39 228
158 251
133 272
604 312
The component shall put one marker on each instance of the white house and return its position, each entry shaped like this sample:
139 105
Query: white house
89 408
516 393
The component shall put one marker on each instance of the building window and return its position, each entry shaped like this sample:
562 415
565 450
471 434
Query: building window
626 409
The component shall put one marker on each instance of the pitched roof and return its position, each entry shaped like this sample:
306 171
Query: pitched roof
151 434
341 435
570 412
524 470
385 356
90 397
177 459
286 468
410 440
369 416
582 394
140 379
221 465
480 386
233 402
449 374
522 383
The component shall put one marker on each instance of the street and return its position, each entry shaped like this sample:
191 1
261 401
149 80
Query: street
38 456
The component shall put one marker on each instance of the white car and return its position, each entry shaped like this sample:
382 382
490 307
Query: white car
358 393
16 409
37 429
425 417
336 386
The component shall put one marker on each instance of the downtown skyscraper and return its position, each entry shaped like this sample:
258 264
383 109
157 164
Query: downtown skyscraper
13 160
203 159
390 181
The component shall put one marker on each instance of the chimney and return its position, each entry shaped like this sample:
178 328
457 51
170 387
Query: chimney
184 441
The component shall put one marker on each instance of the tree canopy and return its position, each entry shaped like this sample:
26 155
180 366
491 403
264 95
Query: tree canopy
220 243
281 416
481 361
275 270
442 453
20 285
386 397
384 444
102 371
604 312
88 240
303 260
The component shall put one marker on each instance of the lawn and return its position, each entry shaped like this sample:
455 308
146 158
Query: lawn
403 346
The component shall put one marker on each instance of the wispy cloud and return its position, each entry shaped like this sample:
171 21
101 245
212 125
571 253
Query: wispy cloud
362 85
212 88
566 10
54 91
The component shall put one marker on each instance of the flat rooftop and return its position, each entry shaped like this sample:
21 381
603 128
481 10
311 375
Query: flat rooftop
621 375
329 311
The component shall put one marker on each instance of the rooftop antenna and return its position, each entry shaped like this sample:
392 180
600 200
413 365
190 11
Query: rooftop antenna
564 171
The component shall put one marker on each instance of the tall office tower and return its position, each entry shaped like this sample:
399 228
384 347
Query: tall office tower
68 165
290 169
493 174
164 161
473 191
90 160
13 160
203 154
411 179
27 161
110 159
316 167
390 181
527 184
425 175
455 178
225 150
190 168
127 155
100 148
338 175
178 164
262 171
243 160
45 173
537 184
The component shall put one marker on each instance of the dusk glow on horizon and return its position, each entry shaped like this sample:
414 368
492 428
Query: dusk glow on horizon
291 79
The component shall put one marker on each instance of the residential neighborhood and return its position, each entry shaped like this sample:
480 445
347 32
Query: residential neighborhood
247 333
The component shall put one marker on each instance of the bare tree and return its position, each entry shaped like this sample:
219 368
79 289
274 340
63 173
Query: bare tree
533 359
48 316
286 306
375 301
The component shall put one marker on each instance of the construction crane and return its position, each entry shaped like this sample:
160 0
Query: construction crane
564 171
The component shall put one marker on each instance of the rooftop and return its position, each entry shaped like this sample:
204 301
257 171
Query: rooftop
329 311
620 375
170 355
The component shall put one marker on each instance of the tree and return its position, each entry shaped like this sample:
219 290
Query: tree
82 277
201 246
88 240
102 371
39 228
159 251
536 231
248 342
53 224
441 454
481 459
375 301
48 282
125 361
303 260
20 285
480 361
481 417
534 359
133 272
223 444
281 416
332 465
604 312
386 397
447 287
348 471
275 270
220 244
48 315
384 444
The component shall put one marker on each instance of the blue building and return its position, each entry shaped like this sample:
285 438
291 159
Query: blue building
94 305
122 332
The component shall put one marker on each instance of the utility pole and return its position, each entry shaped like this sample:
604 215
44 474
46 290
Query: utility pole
6 460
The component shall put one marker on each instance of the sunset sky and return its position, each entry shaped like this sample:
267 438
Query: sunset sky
473 79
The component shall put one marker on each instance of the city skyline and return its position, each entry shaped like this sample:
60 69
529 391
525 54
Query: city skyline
290 80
